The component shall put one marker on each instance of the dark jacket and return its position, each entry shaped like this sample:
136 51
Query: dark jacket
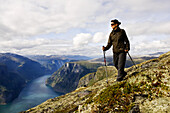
119 40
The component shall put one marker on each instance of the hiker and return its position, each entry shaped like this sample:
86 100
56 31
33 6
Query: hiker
121 46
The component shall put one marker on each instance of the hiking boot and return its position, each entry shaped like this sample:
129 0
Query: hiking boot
125 73
119 79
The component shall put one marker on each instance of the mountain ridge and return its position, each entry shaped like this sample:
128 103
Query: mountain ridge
15 72
145 89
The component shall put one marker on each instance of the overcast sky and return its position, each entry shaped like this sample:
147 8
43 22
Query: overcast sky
82 27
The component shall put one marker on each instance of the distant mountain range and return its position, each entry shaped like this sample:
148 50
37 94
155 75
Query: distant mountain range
61 57
22 65
157 54
109 60
54 62
51 63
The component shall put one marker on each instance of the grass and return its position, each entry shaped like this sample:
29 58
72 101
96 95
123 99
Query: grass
120 97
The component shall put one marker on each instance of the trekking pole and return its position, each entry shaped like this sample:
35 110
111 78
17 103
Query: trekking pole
105 67
132 60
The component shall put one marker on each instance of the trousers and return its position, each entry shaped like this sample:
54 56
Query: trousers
119 62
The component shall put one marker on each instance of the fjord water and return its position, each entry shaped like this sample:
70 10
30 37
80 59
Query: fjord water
33 94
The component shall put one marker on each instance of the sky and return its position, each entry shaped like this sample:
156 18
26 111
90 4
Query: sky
82 27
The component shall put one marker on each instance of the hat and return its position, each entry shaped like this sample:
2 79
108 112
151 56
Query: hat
116 21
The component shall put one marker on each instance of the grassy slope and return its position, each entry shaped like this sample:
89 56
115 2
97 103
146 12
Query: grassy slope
146 88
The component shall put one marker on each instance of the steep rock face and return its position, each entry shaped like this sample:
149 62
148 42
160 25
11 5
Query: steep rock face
145 89
84 81
67 77
15 72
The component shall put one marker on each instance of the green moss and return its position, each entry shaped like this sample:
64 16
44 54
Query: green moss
90 97
119 97
115 98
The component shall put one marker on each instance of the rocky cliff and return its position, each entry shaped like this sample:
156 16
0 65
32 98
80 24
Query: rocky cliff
67 77
145 89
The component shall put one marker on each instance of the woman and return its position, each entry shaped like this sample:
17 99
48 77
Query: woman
121 46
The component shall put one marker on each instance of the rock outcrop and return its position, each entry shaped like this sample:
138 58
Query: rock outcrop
145 89
67 77
100 74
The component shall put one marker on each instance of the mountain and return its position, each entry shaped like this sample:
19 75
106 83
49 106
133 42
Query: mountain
54 62
145 89
51 63
76 57
15 72
67 77
11 84
156 54
22 65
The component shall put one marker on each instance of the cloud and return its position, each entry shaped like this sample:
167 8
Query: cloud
23 43
29 18
34 46
150 46
82 39
88 44
153 45
148 28
99 37
23 20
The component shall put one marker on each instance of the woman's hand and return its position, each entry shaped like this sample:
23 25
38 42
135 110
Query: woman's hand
126 50
103 48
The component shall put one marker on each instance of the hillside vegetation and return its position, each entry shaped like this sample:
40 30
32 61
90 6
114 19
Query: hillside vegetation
145 89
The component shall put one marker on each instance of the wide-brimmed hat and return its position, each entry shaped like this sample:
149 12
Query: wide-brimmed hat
116 21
